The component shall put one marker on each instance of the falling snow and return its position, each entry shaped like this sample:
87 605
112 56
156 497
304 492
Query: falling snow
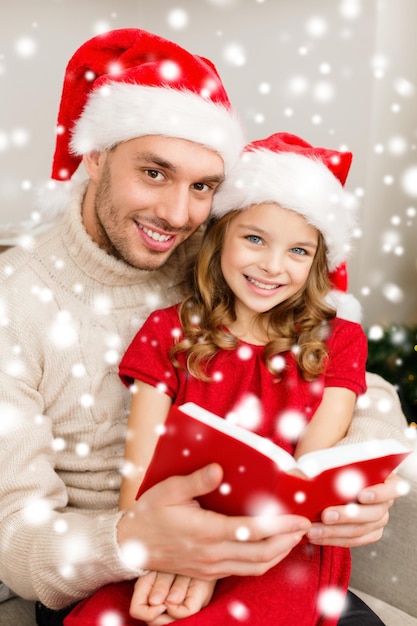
331 602
133 554
318 76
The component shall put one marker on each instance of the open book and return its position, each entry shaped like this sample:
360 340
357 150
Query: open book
256 477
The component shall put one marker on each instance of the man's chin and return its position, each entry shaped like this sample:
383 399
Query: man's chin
148 263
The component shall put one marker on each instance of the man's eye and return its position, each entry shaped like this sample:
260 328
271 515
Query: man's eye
153 174
201 186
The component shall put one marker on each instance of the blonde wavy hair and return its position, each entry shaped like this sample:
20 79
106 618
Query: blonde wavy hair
299 324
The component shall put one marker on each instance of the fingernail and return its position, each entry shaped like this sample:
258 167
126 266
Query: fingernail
315 532
367 496
329 517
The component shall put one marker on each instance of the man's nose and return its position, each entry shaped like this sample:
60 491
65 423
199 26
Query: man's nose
174 207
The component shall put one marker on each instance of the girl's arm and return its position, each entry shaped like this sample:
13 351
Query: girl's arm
148 412
329 423
158 598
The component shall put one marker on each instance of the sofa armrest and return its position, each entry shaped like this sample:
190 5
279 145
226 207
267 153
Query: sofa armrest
387 569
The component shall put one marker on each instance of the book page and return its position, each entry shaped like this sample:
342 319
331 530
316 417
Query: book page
313 463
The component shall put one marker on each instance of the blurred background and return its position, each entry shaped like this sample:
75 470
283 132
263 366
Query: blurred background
340 73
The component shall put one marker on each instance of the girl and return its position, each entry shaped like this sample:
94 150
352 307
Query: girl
258 328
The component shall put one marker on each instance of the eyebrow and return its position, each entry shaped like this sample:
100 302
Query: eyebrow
260 231
155 159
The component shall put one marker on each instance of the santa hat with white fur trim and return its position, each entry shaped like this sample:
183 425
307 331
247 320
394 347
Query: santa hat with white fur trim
129 83
285 169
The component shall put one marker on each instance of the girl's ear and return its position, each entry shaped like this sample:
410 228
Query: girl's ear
93 163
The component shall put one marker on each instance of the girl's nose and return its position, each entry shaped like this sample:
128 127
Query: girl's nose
272 262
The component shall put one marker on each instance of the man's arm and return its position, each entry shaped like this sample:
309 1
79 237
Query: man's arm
378 414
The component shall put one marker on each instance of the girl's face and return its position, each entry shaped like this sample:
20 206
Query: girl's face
266 258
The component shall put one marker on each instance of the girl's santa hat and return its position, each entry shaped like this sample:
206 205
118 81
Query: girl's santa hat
129 83
285 169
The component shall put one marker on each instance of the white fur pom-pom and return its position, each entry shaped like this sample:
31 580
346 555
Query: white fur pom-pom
52 199
346 305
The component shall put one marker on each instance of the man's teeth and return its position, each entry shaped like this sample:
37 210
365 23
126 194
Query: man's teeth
261 285
155 236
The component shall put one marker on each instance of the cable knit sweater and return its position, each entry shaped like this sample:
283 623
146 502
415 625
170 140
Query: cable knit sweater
68 310
67 313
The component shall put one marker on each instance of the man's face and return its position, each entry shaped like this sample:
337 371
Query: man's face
149 195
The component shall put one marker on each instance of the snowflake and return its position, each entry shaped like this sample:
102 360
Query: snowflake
63 333
238 610
110 618
59 444
247 413
290 425
178 18
244 353
331 601
234 54
170 71
60 526
11 419
242 533
37 512
349 482
103 304
78 370
133 554
409 181
25 47
82 449
225 489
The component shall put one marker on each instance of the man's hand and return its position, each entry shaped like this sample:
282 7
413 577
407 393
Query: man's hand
362 523
177 536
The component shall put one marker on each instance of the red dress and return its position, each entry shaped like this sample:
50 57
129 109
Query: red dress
290 592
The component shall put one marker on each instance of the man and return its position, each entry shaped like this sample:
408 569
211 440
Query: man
156 134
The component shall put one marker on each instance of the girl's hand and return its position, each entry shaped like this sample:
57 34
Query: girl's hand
160 598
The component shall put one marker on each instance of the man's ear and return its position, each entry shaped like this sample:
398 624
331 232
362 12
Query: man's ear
93 162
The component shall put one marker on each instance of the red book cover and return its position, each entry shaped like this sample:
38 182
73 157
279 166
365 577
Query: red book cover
256 477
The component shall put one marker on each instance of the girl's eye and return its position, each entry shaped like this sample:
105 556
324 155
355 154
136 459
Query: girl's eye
154 174
254 239
298 251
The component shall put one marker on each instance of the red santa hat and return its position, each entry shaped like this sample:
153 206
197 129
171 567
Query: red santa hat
285 169
129 83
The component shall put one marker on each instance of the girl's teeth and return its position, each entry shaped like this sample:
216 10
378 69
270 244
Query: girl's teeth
261 285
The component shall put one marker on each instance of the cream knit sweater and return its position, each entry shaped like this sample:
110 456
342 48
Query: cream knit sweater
67 312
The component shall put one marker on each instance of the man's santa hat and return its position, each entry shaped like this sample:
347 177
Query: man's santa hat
129 83
285 169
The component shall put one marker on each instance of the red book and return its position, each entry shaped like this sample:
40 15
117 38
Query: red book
256 477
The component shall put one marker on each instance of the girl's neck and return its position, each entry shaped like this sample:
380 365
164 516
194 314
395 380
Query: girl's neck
252 333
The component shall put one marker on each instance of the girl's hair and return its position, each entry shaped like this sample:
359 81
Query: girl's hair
299 324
